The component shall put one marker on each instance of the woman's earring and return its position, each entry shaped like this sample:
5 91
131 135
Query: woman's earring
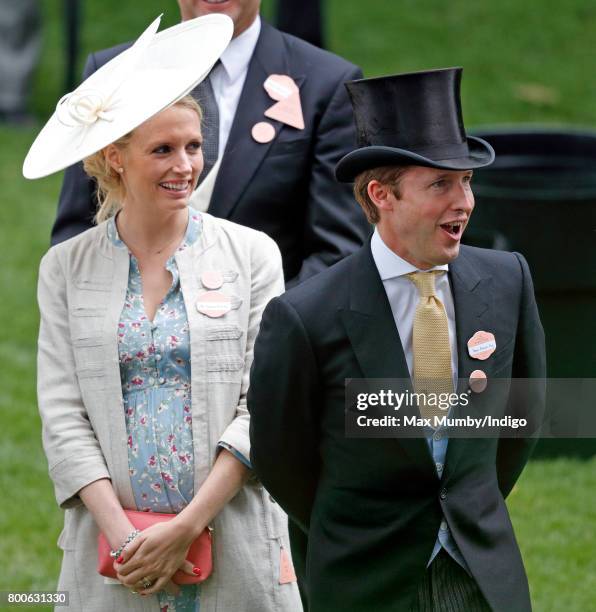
121 170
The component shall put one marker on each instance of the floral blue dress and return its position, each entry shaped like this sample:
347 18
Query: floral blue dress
155 376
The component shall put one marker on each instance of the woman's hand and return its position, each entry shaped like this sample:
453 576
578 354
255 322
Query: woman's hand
154 556
158 551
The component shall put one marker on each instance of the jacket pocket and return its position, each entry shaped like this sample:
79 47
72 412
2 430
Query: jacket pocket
87 311
99 283
86 321
225 368
92 378
223 332
91 370
88 352
289 147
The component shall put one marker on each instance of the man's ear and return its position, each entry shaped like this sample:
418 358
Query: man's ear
380 195
114 157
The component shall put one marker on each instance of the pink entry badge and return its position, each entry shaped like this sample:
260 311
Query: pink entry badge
481 345
263 132
280 86
478 381
214 304
212 279
286 571
288 109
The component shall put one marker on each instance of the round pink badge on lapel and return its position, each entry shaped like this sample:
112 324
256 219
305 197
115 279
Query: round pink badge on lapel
214 304
478 381
481 345
263 132
212 279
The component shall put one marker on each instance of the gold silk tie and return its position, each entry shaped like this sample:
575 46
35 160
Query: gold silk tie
430 341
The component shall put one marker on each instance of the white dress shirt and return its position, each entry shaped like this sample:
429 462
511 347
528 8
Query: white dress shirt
228 78
403 297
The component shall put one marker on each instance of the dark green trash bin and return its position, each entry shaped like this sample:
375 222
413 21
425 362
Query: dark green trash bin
539 198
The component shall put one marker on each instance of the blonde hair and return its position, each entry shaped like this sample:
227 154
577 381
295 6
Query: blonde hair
110 187
388 175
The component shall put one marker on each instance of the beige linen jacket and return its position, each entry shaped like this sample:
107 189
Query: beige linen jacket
82 288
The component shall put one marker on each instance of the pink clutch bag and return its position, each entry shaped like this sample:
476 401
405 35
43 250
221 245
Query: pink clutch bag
199 553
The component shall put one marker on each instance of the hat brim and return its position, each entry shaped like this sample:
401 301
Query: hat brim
351 165
165 70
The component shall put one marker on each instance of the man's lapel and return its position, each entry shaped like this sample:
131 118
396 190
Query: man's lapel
375 340
243 155
473 312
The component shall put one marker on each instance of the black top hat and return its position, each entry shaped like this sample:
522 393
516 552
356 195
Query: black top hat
411 119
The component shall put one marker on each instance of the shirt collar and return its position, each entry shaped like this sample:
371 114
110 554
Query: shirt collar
391 265
237 55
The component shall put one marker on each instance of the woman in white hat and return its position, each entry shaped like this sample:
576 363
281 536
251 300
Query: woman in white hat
147 326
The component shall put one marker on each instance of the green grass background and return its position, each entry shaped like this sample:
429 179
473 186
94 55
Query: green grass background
525 61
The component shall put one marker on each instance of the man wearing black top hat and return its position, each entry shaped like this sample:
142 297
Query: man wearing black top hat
418 523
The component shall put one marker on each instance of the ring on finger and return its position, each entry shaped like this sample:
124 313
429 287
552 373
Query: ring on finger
146 583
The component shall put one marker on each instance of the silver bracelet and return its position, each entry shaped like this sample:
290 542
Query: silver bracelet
131 536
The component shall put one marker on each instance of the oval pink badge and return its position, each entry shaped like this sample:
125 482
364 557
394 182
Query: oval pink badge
212 279
280 86
263 132
214 304
478 381
481 345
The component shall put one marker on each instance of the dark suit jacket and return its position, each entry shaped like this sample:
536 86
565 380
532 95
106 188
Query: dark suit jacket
285 188
372 507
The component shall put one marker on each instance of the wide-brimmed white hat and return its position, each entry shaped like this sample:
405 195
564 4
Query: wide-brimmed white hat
159 69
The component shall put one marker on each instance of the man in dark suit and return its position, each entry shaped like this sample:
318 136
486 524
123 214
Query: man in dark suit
409 523
277 178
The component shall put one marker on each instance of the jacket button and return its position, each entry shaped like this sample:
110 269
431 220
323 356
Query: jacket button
443 494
